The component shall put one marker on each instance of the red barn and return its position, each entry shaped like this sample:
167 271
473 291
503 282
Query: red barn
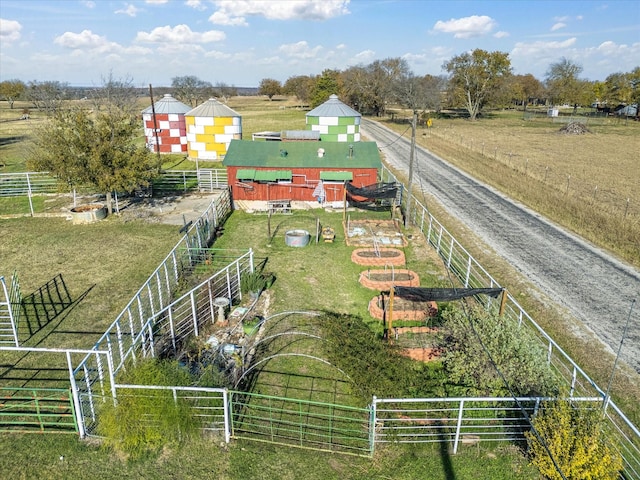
304 171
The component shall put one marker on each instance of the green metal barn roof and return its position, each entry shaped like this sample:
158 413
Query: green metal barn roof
329 155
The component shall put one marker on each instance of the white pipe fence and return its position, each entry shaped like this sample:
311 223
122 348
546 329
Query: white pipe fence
29 184
209 406
471 274
134 331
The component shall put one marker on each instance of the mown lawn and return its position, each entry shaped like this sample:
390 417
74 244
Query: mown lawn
103 264
60 457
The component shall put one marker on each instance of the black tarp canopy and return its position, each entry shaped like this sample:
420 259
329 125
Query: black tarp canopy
419 294
375 191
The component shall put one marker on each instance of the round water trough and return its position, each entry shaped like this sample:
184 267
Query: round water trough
297 238
88 213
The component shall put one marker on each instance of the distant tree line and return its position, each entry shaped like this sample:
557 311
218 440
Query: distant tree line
474 81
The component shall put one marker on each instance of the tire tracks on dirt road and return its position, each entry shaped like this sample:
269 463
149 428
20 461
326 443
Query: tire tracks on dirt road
596 288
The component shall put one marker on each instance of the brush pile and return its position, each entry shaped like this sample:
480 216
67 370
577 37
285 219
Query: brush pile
574 128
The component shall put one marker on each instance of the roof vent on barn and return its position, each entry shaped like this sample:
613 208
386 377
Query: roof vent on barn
335 121
168 129
210 129
320 152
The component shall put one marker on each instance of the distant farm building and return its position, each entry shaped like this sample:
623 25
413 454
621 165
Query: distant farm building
166 131
210 129
303 171
288 136
335 121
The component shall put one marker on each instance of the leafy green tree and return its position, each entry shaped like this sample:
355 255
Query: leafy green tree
482 350
574 435
372 87
564 85
269 87
327 84
11 90
97 147
300 86
619 89
477 77
190 89
525 88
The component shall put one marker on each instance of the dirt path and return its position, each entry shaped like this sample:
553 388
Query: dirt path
593 286
173 210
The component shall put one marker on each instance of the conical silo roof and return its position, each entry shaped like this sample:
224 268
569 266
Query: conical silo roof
333 108
212 108
168 105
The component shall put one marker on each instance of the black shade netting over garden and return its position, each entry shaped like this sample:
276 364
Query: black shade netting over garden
374 191
418 294
377 197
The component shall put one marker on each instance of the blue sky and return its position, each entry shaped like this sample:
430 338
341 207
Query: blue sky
240 42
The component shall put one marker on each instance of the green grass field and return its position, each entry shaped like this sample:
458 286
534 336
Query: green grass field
105 263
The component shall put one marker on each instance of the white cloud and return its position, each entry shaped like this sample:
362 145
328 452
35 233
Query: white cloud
179 34
195 4
89 3
416 58
467 27
228 10
9 30
83 40
218 55
130 10
88 45
612 49
365 56
156 2
540 48
558 26
222 18
501 34
300 50
342 46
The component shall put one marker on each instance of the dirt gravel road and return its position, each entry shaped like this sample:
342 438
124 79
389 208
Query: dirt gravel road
593 286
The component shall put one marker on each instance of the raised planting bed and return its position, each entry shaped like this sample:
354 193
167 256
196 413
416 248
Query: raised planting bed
402 309
387 278
379 258
421 354
367 233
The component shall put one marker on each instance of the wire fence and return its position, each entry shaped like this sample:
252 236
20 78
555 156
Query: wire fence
467 420
604 199
471 274
28 185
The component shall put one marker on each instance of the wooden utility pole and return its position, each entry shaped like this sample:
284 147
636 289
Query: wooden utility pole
155 126
407 213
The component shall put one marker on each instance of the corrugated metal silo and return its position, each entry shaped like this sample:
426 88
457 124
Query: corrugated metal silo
170 125
335 121
210 129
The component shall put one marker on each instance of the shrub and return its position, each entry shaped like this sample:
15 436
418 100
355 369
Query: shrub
255 281
517 356
144 421
375 366
576 439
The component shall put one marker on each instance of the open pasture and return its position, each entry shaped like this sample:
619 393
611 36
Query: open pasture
586 183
